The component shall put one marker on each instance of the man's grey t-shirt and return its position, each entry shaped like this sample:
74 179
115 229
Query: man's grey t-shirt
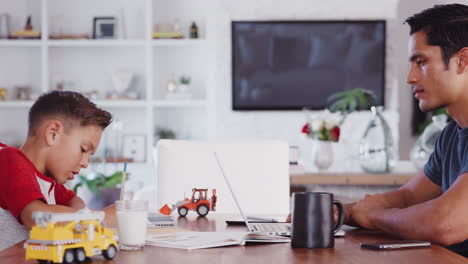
448 161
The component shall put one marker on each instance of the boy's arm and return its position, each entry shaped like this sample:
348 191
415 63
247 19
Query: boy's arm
38 205
77 203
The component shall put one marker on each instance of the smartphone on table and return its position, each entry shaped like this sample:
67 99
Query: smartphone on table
396 244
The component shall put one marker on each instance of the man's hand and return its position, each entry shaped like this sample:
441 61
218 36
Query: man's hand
335 215
362 209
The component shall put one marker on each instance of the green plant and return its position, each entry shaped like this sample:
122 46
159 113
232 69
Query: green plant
424 124
349 101
184 80
99 181
165 133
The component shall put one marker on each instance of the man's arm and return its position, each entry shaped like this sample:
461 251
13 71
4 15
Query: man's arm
40 206
441 220
419 189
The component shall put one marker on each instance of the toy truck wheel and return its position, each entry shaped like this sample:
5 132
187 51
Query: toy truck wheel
68 257
80 255
202 210
182 211
110 252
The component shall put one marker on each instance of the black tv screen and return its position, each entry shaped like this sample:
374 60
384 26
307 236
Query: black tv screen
289 65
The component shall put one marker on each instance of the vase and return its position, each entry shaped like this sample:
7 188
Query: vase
377 153
425 144
323 156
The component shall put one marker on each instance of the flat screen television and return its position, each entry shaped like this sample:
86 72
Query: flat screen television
291 65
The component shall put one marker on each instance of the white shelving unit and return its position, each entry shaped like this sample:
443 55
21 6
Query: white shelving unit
89 63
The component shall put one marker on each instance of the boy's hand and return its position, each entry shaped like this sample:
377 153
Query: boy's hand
110 218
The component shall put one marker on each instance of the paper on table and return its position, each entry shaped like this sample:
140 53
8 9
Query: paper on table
196 240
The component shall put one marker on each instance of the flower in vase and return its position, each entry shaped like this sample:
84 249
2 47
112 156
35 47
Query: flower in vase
326 130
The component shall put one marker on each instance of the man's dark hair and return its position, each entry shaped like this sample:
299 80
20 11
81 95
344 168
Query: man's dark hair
445 26
70 108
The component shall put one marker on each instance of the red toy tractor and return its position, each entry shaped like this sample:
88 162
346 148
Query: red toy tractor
199 202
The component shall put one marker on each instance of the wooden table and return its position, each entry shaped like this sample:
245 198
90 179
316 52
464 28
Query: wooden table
346 250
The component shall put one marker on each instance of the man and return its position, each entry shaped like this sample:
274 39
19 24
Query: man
433 205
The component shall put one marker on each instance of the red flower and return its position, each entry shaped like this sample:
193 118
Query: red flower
306 129
335 133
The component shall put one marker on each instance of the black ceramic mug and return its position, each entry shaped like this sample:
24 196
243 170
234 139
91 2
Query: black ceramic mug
312 220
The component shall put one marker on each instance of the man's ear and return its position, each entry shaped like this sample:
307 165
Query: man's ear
463 60
53 131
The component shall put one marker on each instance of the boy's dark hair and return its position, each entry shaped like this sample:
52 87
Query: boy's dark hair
446 26
69 107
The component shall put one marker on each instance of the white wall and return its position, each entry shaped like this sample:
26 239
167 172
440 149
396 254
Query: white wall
286 125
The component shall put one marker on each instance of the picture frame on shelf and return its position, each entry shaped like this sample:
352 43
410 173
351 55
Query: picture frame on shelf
104 27
134 147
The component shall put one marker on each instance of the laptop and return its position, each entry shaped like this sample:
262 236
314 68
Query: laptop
278 229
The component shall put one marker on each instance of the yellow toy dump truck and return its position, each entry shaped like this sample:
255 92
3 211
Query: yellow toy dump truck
69 237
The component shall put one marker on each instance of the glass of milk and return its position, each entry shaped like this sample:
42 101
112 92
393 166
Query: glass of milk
132 218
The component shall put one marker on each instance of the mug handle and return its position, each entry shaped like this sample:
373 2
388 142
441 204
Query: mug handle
340 215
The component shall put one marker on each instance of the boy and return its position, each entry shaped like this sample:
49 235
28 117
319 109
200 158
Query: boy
64 130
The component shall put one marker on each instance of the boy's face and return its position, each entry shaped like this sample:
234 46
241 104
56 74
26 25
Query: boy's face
71 151
434 84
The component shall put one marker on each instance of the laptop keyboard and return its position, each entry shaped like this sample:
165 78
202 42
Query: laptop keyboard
266 227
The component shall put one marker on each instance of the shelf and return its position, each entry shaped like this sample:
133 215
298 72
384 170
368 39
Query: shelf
177 42
330 178
95 43
179 103
121 103
20 43
16 104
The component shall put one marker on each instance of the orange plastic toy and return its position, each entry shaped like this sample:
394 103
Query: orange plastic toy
199 202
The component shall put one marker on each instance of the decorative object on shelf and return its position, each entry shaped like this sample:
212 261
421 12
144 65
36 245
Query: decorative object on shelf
4 25
104 188
23 92
349 101
68 36
27 33
324 130
184 86
134 147
163 133
122 80
3 94
104 27
172 85
179 91
92 95
425 144
193 31
167 31
377 151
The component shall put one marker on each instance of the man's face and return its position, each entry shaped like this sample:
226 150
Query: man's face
434 84
71 152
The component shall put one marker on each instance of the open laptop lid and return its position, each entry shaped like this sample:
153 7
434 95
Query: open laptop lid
232 192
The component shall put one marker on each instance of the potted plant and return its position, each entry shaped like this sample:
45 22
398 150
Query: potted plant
184 86
349 101
103 187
